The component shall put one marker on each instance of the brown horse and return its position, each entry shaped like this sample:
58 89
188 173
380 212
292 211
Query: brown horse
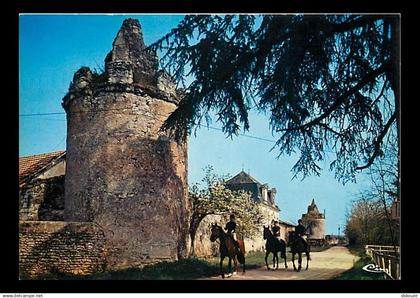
227 249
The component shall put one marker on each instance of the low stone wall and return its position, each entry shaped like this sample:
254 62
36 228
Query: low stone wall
47 247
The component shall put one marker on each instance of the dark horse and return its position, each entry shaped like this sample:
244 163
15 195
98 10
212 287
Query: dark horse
298 246
227 249
274 246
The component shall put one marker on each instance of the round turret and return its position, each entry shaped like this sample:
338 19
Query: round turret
314 221
122 172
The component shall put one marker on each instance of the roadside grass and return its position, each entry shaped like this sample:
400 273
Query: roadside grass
357 272
190 268
185 269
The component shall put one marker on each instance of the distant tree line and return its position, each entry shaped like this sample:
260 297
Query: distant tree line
369 220
367 224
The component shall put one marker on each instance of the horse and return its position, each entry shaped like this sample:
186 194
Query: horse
227 249
273 245
298 246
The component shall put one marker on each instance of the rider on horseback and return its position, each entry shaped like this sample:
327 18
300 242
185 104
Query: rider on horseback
275 229
230 228
300 230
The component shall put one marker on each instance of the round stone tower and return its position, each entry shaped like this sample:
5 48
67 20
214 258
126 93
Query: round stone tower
314 221
122 172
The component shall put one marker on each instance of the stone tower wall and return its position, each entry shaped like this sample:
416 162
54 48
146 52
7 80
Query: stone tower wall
122 172
317 227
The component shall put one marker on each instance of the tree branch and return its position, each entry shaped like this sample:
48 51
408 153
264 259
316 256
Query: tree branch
341 99
378 142
355 23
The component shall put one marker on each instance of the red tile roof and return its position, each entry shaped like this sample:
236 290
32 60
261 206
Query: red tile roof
30 165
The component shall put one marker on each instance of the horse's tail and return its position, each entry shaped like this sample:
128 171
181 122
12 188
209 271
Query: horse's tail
240 255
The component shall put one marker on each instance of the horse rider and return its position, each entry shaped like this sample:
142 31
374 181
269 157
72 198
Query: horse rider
275 229
230 228
300 230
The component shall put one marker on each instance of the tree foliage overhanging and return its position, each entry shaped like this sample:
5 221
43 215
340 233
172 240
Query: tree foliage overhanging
329 82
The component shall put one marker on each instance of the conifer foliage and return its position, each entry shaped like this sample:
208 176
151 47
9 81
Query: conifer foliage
330 83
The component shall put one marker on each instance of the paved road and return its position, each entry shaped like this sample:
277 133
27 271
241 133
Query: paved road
323 265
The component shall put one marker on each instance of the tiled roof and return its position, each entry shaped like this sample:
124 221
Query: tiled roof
30 165
241 178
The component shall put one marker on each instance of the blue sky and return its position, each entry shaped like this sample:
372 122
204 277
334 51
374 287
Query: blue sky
53 47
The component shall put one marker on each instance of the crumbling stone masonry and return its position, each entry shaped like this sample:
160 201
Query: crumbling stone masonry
42 200
122 172
47 247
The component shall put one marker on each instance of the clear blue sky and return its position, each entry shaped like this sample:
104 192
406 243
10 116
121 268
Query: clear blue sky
53 47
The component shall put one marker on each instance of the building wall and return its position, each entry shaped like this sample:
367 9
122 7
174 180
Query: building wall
284 231
59 169
60 247
42 199
315 227
205 248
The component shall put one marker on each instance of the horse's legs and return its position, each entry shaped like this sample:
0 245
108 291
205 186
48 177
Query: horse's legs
299 261
235 264
230 266
293 260
221 265
274 260
307 259
277 260
285 262
266 256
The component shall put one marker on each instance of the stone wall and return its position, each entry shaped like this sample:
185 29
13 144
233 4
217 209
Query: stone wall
60 247
42 199
315 227
205 248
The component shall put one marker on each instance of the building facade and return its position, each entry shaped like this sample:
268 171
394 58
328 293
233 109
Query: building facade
41 187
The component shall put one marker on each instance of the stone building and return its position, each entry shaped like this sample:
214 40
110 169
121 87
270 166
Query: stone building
41 186
261 194
122 172
47 244
102 203
314 221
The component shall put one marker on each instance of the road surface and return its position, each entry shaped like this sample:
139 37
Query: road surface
323 265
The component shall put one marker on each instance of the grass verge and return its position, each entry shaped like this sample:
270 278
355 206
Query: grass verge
186 269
